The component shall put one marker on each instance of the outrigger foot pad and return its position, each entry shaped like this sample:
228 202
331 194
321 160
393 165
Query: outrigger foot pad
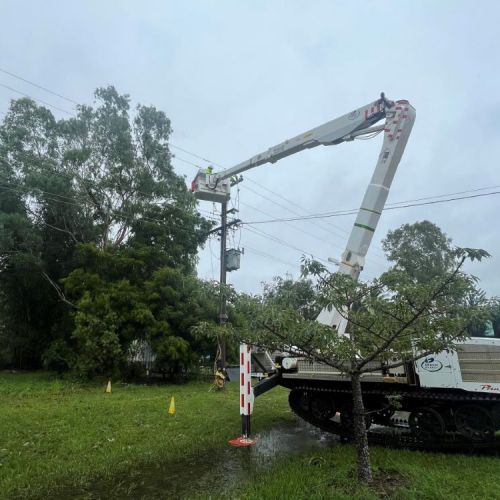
242 441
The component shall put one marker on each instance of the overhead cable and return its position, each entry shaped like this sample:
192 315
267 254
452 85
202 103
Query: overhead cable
45 89
354 211
36 99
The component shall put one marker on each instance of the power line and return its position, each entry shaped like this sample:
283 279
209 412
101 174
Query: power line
175 157
443 195
273 238
189 153
328 231
389 206
36 99
346 212
373 259
76 103
71 175
267 198
269 256
294 204
45 89
279 205
26 191
288 224
376 260
282 242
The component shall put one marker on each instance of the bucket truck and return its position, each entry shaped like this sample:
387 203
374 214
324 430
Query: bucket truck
448 393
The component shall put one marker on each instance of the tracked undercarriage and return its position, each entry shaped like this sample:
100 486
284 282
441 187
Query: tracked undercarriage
411 418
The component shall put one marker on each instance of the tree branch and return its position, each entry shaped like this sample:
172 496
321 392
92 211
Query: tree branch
309 351
57 288
417 314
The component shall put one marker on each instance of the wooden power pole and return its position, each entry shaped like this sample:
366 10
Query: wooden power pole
222 281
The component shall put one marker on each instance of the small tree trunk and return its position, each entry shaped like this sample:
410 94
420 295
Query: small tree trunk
360 434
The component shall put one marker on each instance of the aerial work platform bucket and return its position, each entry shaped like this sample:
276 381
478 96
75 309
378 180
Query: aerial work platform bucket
206 186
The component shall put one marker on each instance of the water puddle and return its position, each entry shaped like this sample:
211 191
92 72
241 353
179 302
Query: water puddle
212 474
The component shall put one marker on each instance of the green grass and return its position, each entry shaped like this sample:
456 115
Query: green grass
399 474
60 439
56 435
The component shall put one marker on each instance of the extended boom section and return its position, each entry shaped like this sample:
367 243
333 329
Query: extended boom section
399 123
216 186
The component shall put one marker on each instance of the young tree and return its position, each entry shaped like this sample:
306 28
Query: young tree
392 320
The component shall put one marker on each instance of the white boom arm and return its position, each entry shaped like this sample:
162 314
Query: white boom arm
399 115
215 186
399 122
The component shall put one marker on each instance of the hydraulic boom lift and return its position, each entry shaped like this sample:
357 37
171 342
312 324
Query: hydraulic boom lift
448 398
399 117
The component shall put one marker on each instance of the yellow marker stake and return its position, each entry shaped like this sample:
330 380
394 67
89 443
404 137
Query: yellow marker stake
171 408
108 387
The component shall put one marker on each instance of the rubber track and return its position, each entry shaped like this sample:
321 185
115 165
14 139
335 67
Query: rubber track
390 437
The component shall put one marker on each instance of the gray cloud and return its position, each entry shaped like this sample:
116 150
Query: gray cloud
238 77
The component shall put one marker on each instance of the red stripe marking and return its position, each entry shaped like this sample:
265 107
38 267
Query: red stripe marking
242 379
243 401
249 408
248 387
248 366
242 362
248 348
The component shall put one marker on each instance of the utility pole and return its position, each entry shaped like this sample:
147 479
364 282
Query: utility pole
223 269
222 281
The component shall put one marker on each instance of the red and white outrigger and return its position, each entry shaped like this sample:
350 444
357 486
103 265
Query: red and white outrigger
246 396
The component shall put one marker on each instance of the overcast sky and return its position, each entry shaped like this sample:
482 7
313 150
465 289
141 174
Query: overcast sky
236 77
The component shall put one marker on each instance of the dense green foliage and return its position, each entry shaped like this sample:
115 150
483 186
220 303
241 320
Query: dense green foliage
420 250
298 295
98 240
